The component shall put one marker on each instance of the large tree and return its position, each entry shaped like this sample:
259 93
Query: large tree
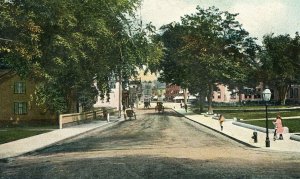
207 48
280 63
67 45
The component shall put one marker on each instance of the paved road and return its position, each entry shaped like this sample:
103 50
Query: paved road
153 146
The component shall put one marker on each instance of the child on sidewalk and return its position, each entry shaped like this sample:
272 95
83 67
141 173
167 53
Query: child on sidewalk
221 120
278 127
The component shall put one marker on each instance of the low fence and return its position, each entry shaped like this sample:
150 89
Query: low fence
78 118
295 137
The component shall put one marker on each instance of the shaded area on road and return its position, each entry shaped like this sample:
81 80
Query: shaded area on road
148 167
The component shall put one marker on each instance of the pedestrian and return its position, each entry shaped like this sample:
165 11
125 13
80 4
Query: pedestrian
132 105
221 120
185 107
279 127
180 104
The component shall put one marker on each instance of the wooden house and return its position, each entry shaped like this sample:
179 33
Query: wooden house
18 101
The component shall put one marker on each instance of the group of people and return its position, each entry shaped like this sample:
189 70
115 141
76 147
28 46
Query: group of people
277 123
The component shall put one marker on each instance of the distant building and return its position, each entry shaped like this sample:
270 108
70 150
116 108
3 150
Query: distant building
293 95
158 91
147 87
18 100
223 94
135 91
114 96
175 94
171 92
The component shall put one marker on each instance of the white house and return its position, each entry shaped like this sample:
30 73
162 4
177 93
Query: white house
114 98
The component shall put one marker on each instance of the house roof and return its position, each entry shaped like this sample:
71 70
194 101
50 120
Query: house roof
6 73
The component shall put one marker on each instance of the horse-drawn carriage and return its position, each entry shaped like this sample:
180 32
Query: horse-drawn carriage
159 107
130 114
146 104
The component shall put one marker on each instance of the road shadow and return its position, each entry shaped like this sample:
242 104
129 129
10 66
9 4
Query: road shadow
145 166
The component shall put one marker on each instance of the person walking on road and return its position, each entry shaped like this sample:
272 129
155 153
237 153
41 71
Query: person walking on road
279 127
185 107
221 120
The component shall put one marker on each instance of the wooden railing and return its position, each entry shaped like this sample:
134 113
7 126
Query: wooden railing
78 118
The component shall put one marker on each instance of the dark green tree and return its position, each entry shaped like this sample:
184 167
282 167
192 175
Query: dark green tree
280 63
207 48
66 46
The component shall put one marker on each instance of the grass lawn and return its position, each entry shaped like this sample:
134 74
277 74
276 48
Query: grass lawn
12 134
258 115
242 113
292 124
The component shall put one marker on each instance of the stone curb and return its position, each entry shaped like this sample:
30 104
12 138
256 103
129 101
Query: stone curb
295 137
257 128
253 127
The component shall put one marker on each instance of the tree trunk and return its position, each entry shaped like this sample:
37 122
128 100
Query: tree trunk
282 90
240 97
201 103
185 96
71 101
209 97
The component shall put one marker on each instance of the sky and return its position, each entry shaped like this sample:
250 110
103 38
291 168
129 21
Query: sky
258 17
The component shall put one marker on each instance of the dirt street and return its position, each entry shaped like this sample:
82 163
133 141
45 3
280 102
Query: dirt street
153 146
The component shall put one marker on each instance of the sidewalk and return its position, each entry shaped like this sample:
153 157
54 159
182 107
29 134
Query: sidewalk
240 134
22 146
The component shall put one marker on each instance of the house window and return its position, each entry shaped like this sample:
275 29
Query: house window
232 96
112 85
257 96
296 93
219 94
20 107
20 88
291 93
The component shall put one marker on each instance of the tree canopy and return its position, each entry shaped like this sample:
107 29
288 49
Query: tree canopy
280 63
67 45
207 48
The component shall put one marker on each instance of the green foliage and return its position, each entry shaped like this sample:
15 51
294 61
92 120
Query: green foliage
207 48
68 45
280 61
